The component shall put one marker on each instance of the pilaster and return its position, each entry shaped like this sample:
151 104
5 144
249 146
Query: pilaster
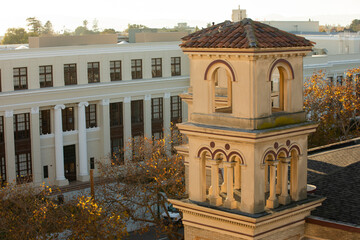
105 127
35 146
59 146
147 116
167 119
9 146
127 128
83 162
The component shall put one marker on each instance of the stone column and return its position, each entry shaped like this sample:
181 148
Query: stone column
237 170
272 201
167 120
127 128
267 187
35 146
278 178
59 146
105 127
284 198
215 198
83 161
230 201
9 147
224 184
147 116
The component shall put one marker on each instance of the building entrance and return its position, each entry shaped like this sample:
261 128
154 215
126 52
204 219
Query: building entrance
70 162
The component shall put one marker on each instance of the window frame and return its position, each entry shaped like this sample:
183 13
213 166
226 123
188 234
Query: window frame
70 75
136 69
28 169
173 102
114 71
156 67
46 75
93 72
25 133
91 116
18 77
66 116
45 121
175 62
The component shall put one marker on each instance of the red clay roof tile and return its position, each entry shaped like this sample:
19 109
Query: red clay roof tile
244 34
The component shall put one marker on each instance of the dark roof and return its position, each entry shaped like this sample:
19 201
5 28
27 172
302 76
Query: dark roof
336 174
244 34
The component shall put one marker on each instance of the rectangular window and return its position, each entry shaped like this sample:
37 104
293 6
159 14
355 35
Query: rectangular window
175 66
93 72
90 112
137 113
137 118
157 118
44 116
70 75
21 126
46 76
157 108
20 78
2 169
22 147
117 150
136 68
176 109
116 114
1 129
68 119
116 132
339 79
2 153
92 163
156 67
46 171
115 70
23 167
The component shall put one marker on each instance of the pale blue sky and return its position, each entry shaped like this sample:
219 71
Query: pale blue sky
158 13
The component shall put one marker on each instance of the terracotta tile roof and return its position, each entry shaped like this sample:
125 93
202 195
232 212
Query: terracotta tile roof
244 34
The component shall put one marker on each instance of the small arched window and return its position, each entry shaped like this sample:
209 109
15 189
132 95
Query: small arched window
277 90
222 91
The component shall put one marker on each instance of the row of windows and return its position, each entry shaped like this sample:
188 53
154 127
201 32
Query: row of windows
137 123
67 119
23 161
20 74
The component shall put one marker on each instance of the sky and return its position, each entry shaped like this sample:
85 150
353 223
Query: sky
68 14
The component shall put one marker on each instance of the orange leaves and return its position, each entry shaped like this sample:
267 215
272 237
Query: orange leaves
334 104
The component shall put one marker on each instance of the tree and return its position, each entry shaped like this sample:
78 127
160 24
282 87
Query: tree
108 31
15 36
355 25
135 26
140 187
335 105
48 28
35 26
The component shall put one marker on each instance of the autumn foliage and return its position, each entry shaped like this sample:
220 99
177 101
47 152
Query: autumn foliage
335 105
141 186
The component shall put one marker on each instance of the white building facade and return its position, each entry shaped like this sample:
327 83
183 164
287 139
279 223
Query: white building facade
64 108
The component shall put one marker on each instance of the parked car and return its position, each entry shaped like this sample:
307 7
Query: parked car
174 214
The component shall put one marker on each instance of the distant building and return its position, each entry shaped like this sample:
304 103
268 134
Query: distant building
295 26
63 108
238 14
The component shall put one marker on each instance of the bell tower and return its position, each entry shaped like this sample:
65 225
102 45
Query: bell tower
246 158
